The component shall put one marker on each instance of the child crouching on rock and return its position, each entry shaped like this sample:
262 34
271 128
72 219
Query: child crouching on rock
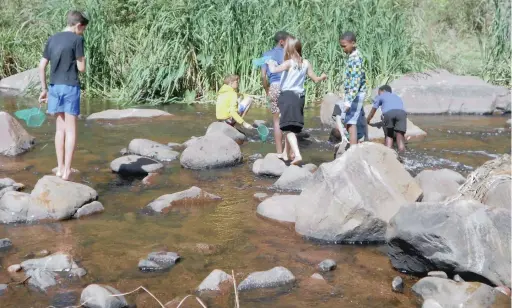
230 108
394 117
292 97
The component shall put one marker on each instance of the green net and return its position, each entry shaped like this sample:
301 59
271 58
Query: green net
34 117
263 132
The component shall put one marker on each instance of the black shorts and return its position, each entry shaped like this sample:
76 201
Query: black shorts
394 120
291 108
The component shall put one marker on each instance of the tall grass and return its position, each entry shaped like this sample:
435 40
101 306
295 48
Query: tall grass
159 51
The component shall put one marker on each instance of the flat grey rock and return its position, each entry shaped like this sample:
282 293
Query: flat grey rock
280 208
213 281
193 195
158 261
294 178
135 165
152 149
5 244
41 279
276 277
211 151
271 165
225 129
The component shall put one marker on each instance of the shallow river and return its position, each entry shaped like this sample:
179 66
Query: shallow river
109 245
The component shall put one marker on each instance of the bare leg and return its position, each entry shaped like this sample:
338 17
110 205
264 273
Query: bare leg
352 130
286 153
278 134
389 142
60 134
294 145
400 140
70 144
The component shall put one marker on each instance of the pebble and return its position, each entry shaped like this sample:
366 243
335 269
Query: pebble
317 276
5 243
3 289
327 265
438 274
397 284
260 196
14 268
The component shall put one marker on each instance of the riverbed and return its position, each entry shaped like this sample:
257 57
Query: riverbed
109 245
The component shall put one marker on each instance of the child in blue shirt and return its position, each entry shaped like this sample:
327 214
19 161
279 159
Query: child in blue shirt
394 117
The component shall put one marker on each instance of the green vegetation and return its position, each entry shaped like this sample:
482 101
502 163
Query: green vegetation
159 51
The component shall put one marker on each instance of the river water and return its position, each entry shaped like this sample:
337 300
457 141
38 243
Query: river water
109 245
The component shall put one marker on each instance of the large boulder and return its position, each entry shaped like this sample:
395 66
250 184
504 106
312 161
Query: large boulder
437 92
120 114
21 82
101 296
14 139
135 165
353 198
276 277
211 151
438 185
52 198
458 237
152 149
294 178
279 208
193 195
490 183
449 293
228 130
271 165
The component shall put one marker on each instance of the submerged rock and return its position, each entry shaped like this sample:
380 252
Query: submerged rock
211 151
271 165
327 265
279 208
193 195
152 149
158 261
214 280
43 271
276 277
448 293
225 129
135 165
52 198
353 198
294 178
397 285
3 289
5 244
100 296
438 185
457 237
119 114
14 139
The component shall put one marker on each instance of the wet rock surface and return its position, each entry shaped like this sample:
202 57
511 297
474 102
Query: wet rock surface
193 195
278 276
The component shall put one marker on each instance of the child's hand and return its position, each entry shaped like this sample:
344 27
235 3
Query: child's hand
43 97
323 76
271 62
247 125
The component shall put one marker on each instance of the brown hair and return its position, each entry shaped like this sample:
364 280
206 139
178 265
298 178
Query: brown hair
293 49
231 78
75 17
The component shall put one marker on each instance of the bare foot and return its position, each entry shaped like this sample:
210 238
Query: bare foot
66 175
297 160
284 157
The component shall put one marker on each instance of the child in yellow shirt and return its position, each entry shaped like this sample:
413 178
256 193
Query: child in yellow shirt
229 107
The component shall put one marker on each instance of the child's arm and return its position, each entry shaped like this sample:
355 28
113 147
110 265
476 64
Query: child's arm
312 75
376 104
353 82
42 72
80 55
233 111
273 68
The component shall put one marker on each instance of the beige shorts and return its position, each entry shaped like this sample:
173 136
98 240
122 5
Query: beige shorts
273 93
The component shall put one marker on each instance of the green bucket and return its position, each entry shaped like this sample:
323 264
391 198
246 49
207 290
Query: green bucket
263 132
34 117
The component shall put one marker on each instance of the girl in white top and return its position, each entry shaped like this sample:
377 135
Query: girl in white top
291 98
